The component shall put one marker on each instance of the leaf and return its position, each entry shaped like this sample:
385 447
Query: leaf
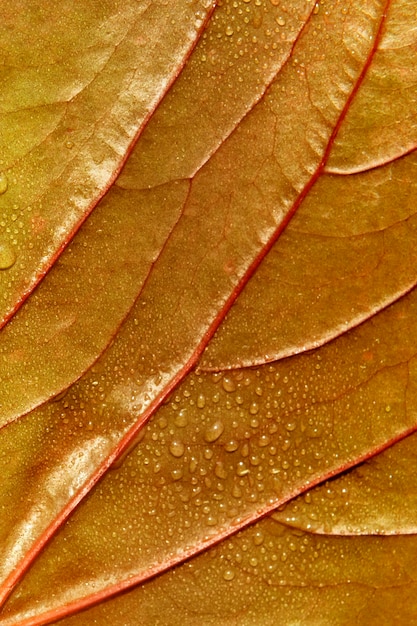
219 185
156 346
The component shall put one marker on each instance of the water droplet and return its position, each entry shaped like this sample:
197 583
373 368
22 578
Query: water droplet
254 408
242 470
220 470
231 446
4 183
290 426
228 384
236 491
263 441
280 21
177 474
201 401
208 453
258 538
228 574
213 432
181 419
229 31
7 256
177 448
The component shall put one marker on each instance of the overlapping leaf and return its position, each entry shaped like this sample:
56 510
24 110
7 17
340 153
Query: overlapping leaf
230 448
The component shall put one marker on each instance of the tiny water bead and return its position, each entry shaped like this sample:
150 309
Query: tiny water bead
7 256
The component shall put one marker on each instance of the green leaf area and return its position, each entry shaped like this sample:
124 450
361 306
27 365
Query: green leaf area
208 288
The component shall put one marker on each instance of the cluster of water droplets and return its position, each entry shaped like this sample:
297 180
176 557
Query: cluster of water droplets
224 449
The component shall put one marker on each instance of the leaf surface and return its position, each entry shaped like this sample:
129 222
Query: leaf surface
223 452
230 218
83 322
347 253
268 574
84 298
381 124
71 109
376 498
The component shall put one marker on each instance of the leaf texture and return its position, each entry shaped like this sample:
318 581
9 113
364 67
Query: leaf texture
150 413
71 109
226 450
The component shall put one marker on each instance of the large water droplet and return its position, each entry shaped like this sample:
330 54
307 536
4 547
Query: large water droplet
220 470
228 384
228 574
213 432
201 401
181 419
7 256
177 448
4 183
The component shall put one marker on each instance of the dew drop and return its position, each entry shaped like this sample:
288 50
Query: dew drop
181 419
208 453
258 538
231 446
4 183
236 491
220 470
241 469
213 432
229 31
228 384
177 474
201 401
7 256
177 448
264 440
228 574
290 426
